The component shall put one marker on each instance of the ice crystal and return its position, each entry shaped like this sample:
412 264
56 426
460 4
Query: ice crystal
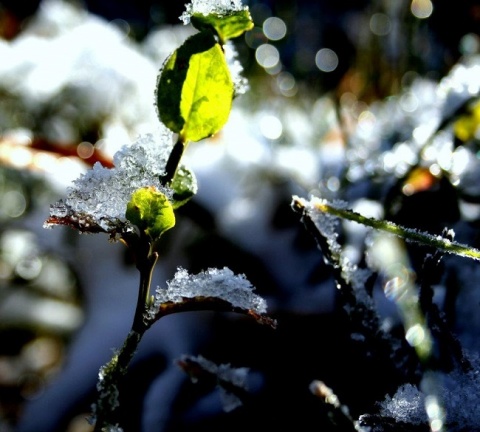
228 378
407 405
240 83
459 392
222 284
207 7
98 199
327 225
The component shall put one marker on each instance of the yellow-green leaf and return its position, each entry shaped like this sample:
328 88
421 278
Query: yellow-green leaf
227 26
151 211
195 89
468 125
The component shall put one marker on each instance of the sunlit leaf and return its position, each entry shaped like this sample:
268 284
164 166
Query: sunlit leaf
226 26
195 89
151 211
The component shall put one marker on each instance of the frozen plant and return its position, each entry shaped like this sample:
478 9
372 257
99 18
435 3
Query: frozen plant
98 199
135 201
446 378
230 381
221 284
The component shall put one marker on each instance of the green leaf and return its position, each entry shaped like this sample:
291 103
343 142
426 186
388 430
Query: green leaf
151 211
227 26
184 186
195 89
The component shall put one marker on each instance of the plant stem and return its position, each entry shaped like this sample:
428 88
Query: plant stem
409 234
112 373
109 377
145 267
173 162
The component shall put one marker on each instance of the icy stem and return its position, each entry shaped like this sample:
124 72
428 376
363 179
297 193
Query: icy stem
222 284
207 7
97 201
328 225
226 375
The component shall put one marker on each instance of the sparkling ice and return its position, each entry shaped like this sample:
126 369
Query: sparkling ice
219 283
101 194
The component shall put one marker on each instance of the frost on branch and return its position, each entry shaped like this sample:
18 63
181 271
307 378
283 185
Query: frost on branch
98 199
206 7
328 225
231 381
213 289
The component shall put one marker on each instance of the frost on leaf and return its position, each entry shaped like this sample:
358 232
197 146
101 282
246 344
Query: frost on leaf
240 83
213 289
228 18
209 7
231 381
98 200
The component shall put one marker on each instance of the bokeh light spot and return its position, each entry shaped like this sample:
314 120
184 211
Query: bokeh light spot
271 127
274 28
326 60
409 102
85 150
421 8
333 184
14 203
286 84
415 335
267 56
29 267
255 37
470 44
380 24
394 288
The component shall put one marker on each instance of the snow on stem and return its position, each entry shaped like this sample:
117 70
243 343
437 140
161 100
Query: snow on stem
409 234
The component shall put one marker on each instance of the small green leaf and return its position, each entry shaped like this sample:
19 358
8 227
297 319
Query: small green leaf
151 211
195 89
227 26
184 185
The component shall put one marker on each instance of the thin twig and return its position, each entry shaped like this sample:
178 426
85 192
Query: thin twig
408 234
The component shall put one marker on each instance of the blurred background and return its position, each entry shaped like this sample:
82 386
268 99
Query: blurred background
372 102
